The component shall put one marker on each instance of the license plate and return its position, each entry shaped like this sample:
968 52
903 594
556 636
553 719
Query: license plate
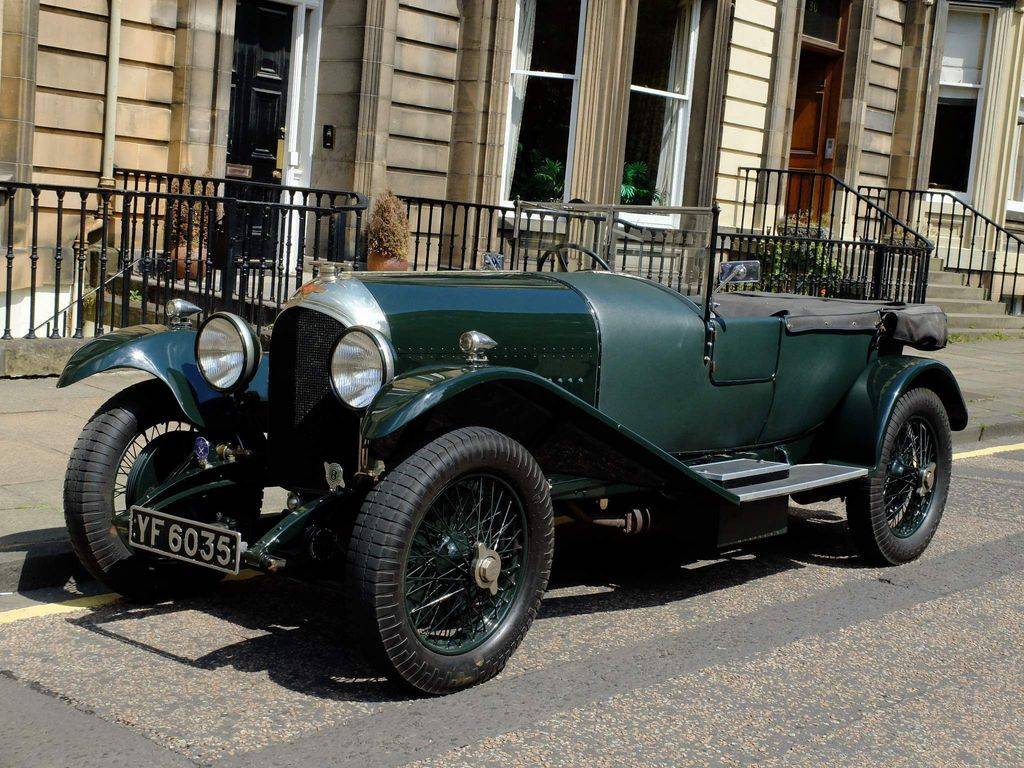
187 540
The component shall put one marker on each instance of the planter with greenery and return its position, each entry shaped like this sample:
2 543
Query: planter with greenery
387 235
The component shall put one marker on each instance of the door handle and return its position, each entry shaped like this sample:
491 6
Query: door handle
279 169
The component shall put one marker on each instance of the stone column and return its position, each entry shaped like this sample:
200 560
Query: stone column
19 24
994 150
609 29
914 120
370 175
203 52
481 101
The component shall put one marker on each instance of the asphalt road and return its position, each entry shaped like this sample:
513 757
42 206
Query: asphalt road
791 654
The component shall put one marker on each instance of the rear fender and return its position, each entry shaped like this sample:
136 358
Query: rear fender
857 429
564 433
167 354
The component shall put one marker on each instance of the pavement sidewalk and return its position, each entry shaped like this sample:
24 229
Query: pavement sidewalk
39 425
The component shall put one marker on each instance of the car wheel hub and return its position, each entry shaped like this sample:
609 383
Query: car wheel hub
465 565
486 568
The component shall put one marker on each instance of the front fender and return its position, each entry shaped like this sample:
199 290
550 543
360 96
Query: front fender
410 398
167 354
858 427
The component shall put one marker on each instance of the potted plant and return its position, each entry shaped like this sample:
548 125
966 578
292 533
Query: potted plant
188 238
388 236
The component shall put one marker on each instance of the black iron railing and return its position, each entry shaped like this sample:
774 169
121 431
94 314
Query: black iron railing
816 235
967 241
81 261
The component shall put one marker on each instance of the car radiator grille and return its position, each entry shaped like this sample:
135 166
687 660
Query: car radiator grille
308 425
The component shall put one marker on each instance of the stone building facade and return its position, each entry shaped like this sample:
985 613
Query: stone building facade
644 101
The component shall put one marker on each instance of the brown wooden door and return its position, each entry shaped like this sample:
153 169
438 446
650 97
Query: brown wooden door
815 125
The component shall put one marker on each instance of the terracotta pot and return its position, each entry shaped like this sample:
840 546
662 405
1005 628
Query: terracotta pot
379 262
179 256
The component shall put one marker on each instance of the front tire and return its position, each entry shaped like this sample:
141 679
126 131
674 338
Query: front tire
449 560
894 512
130 445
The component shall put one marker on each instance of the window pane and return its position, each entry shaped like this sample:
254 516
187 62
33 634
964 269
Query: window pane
541 143
547 36
952 144
660 55
652 150
821 19
963 52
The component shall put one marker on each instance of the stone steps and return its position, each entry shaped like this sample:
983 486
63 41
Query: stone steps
937 292
971 321
969 306
986 333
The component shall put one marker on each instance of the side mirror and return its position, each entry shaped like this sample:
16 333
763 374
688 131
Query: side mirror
734 272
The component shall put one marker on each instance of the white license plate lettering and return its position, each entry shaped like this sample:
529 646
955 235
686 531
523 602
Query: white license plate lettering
187 540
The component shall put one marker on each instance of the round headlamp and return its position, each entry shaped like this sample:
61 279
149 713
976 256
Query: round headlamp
227 350
361 364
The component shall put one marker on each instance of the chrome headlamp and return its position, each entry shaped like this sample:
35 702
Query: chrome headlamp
361 364
228 351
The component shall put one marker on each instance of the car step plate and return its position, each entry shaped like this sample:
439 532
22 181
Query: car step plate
188 540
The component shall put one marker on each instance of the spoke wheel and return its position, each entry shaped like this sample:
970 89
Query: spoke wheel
464 568
894 512
448 560
910 479
135 441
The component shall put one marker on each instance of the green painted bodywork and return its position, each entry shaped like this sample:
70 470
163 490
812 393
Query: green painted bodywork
417 393
624 357
540 324
168 354
767 388
858 426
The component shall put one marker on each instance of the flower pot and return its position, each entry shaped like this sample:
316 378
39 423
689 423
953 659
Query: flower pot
379 262
180 259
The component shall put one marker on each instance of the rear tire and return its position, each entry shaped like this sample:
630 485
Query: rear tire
894 512
92 486
421 601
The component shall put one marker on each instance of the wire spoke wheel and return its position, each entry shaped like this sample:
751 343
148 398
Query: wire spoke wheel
465 563
910 478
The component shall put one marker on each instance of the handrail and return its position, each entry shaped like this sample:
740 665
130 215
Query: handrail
941 209
846 187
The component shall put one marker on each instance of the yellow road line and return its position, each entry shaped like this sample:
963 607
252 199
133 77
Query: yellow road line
98 601
50 609
989 451
85 603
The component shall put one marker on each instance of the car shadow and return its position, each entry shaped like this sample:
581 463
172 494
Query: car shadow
299 630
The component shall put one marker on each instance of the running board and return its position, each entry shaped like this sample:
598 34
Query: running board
802 477
755 479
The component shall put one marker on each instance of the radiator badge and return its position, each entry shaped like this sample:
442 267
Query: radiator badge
335 476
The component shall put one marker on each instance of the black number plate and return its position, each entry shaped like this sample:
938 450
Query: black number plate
187 540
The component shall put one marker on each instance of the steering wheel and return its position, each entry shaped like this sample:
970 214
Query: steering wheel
560 250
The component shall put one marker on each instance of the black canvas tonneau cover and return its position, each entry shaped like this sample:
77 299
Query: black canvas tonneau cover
922 326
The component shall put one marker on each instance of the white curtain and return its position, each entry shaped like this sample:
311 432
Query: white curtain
521 58
675 110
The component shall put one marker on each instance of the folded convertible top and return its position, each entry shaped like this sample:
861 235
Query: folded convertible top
921 326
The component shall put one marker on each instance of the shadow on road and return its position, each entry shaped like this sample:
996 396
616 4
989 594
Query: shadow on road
299 638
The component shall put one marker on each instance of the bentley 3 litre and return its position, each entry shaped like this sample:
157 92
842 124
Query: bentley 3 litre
430 428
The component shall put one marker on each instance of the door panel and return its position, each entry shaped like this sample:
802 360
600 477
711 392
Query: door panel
746 349
816 370
259 88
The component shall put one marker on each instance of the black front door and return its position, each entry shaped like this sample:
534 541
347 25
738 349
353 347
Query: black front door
259 90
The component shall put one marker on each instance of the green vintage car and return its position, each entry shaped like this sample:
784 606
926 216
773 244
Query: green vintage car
431 429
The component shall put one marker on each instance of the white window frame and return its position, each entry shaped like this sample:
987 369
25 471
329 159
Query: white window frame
508 169
683 129
967 195
1012 204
